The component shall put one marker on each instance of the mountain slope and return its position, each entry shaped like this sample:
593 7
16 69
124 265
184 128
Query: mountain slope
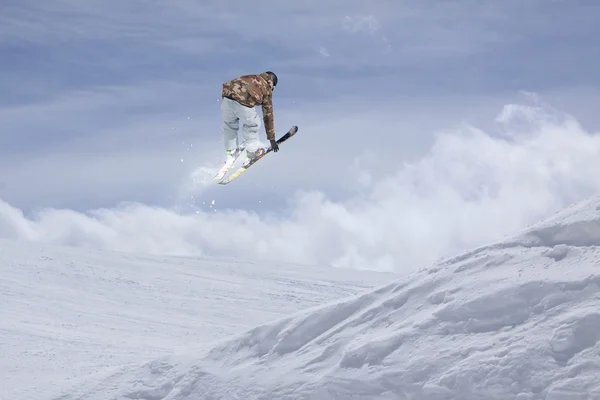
518 319
69 313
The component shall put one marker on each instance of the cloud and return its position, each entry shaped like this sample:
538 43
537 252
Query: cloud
366 23
470 188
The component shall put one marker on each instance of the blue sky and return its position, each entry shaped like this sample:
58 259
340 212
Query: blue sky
105 102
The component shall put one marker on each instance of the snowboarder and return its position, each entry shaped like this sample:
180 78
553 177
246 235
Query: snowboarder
240 96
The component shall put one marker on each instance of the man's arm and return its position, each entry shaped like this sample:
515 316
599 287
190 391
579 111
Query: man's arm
268 117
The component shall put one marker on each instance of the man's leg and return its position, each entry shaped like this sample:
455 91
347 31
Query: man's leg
230 125
250 127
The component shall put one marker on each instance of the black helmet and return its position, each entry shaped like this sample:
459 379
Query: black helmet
273 76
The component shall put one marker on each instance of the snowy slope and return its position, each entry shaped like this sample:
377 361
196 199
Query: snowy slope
67 313
515 320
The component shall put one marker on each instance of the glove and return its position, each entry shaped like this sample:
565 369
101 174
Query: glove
274 146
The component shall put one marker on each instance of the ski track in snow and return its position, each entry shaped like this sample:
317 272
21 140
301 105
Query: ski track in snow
519 319
69 313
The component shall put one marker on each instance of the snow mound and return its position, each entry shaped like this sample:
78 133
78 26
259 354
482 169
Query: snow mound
514 320
67 313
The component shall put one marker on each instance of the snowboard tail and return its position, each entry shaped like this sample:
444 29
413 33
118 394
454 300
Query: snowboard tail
244 168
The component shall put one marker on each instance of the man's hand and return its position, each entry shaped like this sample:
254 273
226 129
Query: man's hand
274 146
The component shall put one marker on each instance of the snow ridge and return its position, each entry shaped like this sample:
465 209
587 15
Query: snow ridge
518 319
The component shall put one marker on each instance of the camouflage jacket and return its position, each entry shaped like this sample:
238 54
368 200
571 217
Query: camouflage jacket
251 91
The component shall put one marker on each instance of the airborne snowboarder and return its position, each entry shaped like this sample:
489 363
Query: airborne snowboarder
240 96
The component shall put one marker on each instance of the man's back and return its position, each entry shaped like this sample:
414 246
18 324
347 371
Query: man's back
249 90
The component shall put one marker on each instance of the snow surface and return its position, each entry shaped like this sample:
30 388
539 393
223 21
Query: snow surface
67 313
519 319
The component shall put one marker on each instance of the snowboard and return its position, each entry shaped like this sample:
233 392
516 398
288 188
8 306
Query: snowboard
245 167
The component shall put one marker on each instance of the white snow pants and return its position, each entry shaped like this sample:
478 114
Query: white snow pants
233 113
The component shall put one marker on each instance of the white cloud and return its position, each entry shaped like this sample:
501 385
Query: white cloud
323 51
470 188
362 23
418 32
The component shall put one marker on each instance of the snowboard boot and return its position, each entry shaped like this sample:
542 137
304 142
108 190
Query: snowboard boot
253 155
232 155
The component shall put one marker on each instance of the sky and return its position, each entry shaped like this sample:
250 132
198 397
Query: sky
425 127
